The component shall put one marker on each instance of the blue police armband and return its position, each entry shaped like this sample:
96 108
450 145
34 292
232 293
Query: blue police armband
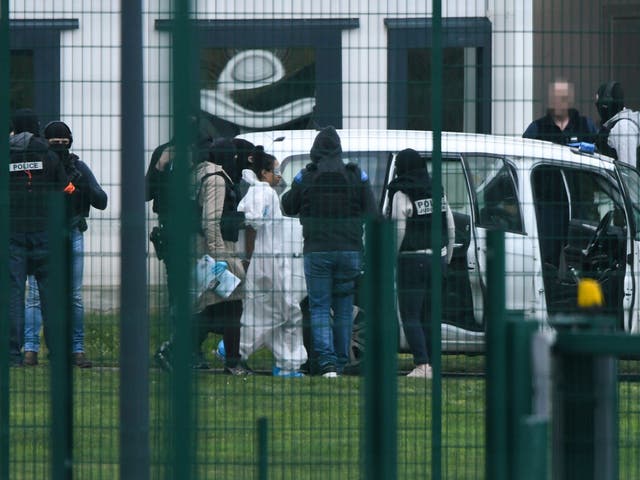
298 177
363 176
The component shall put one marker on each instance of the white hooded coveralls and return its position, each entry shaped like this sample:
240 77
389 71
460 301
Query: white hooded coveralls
275 279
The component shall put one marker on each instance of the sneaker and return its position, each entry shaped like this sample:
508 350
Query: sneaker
80 360
421 371
163 357
220 352
329 371
239 370
280 372
30 358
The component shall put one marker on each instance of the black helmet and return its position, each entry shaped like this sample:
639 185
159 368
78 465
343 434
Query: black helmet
610 100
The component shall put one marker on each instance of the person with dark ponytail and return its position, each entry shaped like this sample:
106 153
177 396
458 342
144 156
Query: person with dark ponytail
272 316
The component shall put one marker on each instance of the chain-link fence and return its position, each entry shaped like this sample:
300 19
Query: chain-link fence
245 291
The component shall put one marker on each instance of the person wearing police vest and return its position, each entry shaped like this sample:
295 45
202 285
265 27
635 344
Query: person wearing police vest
412 209
332 200
34 172
88 194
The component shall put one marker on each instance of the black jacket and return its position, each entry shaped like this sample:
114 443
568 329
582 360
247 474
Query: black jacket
88 192
332 199
34 172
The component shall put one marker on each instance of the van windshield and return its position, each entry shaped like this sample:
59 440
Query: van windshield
373 163
631 179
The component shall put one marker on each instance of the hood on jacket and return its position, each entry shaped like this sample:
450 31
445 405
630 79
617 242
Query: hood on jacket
20 141
326 145
250 176
25 120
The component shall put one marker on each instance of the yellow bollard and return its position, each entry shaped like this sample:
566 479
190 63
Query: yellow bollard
589 293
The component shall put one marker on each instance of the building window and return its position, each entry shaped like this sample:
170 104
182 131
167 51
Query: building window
34 65
466 74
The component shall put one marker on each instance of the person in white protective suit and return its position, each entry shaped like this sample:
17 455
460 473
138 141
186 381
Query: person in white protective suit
272 317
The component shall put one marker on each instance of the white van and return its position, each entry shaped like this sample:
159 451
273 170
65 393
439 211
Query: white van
566 215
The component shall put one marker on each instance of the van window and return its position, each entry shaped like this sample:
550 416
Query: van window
454 184
373 163
495 187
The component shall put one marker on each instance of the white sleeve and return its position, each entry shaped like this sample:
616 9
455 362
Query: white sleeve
624 139
400 211
451 232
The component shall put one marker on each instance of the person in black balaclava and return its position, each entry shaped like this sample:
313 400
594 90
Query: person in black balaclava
34 173
87 194
412 208
619 134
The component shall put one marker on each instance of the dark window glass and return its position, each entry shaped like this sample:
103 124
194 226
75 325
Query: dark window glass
459 89
21 79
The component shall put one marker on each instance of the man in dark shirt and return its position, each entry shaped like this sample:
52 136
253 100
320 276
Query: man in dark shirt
562 124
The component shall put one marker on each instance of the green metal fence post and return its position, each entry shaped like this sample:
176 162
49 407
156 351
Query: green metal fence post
61 379
263 449
4 243
134 318
526 433
496 430
585 403
380 381
436 267
181 222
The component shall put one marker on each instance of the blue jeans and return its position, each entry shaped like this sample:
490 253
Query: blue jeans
331 280
28 255
33 315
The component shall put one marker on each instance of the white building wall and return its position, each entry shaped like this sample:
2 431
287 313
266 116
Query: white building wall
90 89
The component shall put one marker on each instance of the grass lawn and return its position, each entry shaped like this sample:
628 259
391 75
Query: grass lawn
314 424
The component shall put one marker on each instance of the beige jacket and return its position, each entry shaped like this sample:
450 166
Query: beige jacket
210 195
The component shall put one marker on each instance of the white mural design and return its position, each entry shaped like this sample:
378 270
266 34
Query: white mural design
247 70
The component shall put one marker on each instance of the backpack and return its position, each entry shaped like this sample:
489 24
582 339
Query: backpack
231 221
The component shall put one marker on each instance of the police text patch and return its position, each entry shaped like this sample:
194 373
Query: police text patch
425 206
21 167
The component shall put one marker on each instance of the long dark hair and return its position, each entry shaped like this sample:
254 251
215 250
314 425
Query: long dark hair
262 161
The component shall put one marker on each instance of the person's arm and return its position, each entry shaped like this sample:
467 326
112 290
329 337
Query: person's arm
451 233
97 196
623 138
401 209
292 200
212 197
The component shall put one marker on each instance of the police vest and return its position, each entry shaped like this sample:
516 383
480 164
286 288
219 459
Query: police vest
417 235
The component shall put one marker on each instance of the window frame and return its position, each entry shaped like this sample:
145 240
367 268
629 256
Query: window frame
405 34
43 38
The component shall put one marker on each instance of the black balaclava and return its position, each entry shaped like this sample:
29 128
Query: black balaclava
223 153
610 100
408 160
326 144
25 120
243 152
59 129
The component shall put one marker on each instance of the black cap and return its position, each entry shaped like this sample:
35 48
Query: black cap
610 100
25 120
